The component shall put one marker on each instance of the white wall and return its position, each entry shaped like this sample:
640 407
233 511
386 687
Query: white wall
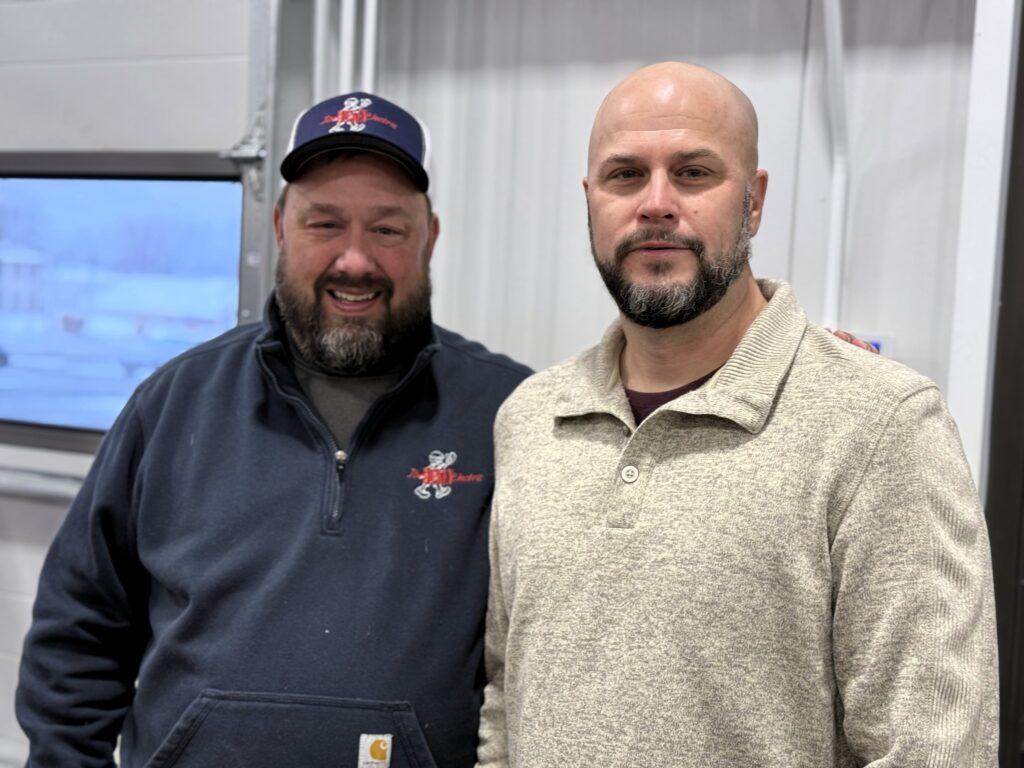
123 74
102 75
509 91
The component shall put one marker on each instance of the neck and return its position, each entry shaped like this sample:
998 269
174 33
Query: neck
660 359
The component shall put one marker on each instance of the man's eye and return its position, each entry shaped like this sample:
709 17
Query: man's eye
625 173
693 173
323 224
388 231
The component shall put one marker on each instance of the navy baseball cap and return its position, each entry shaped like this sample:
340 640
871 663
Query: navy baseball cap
359 122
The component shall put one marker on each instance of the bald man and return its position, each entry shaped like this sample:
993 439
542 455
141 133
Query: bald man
721 537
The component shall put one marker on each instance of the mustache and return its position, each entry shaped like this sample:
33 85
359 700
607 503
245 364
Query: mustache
365 284
654 234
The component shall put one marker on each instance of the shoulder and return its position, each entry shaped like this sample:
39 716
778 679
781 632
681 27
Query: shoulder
822 360
456 350
559 377
169 396
545 393
894 413
223 355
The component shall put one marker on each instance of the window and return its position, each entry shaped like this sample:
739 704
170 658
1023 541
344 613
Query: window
110 265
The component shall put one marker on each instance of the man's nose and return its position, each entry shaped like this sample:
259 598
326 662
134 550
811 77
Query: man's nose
660 200
354 256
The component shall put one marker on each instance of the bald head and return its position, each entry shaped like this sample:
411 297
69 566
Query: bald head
673 95
674 194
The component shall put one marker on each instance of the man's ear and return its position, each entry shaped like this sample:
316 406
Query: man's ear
434 231
278 226
759 186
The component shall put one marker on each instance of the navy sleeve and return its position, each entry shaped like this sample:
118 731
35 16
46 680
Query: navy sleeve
89 626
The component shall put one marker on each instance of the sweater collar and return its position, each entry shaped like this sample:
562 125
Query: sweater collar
743 390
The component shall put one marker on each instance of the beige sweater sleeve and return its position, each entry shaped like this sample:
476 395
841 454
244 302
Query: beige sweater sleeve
492 751
913 626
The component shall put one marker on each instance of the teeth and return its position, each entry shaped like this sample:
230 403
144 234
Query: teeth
351 296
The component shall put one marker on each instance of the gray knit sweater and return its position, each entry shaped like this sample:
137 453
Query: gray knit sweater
786 568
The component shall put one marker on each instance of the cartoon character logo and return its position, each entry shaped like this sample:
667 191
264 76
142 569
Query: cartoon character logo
351 117
436 479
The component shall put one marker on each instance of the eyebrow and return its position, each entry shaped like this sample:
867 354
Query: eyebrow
678 157
382 211
312 207
377 212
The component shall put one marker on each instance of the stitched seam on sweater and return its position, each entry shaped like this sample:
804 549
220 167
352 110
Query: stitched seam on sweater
870 455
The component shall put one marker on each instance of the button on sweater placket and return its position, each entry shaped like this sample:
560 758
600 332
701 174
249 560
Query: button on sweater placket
628 488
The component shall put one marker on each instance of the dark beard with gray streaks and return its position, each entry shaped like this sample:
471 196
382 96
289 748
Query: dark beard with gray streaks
664 306
354 345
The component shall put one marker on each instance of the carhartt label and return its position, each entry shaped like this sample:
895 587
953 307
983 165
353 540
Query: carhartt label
374 750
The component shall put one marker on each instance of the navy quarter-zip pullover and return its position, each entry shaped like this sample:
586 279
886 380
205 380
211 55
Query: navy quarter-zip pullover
231 588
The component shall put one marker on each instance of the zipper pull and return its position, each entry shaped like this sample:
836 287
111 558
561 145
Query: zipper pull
333 520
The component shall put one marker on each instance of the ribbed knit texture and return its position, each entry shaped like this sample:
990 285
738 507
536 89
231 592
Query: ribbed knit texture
786 568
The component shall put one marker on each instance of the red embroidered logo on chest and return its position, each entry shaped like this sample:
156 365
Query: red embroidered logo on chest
436 479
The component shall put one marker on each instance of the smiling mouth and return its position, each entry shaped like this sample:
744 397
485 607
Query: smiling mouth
353 297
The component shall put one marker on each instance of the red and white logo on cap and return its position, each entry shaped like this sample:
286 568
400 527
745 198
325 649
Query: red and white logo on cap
353 116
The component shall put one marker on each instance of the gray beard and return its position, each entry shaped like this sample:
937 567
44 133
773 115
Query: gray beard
664 306
349 346
352 348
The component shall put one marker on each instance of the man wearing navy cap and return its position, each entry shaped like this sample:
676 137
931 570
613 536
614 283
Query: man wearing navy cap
279 556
